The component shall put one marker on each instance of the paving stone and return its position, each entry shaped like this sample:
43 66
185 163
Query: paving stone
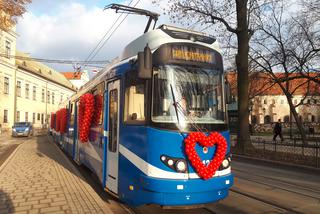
33 183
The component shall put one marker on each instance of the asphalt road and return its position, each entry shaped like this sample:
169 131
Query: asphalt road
8 145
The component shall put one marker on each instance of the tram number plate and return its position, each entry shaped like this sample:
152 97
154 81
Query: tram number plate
206 162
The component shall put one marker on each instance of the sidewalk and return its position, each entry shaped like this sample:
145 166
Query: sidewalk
38 178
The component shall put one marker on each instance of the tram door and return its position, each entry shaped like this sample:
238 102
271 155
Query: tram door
76 134
113 136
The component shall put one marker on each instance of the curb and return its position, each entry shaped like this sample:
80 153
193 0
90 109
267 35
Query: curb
5 163
278 163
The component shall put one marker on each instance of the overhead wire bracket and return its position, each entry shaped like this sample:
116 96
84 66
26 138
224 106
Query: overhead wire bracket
132 10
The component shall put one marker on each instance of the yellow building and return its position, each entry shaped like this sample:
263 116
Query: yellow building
29 90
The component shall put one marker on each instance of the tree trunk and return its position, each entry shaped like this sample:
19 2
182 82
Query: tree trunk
297 119
243 75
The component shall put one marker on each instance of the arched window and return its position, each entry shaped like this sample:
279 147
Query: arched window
313 118
267 119
286 119
254 119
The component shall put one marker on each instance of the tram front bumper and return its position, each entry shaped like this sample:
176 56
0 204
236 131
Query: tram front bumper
186 192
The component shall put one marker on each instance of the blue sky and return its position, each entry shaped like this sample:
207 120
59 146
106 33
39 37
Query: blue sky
70 29
49 7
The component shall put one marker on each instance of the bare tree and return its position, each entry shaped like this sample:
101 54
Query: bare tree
10 10
235 19
288 44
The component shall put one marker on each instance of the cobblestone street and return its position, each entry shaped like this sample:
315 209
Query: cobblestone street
38 178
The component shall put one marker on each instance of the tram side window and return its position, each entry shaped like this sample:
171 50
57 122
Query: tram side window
71 118
113 120
98 98
135 103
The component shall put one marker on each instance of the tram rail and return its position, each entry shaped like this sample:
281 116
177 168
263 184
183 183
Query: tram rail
270 203
280 184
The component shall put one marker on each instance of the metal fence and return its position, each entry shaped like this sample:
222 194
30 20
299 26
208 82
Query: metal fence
290 150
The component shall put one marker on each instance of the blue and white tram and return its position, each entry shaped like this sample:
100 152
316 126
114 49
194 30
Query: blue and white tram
151 101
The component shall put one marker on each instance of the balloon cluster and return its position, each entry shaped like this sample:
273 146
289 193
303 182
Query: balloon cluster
97 110
63 120
58 123
86 110
52 121
205 172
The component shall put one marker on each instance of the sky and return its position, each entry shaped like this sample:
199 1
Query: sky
65 29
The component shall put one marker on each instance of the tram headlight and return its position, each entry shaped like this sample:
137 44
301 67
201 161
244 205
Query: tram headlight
181 166
225 163
176 164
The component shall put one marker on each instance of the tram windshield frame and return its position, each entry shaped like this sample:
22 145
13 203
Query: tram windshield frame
197 88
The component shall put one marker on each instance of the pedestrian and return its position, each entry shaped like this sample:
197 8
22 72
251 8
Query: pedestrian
277 130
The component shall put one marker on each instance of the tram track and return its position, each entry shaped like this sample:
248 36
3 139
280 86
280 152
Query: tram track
160 210
280 184
270 203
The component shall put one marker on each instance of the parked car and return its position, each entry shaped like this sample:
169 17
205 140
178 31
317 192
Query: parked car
22 129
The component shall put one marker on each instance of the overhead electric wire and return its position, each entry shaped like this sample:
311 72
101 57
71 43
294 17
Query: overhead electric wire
111 34
104 36
57 61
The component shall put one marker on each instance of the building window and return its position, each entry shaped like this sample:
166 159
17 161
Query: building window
267 119
34 118
34 93
309 101
27 91
42 118
6 85
5 116
42 96
265 102
38 116
286 119
254 119
61 97
18 116
18 88
8 49
26 117
48 96
52 97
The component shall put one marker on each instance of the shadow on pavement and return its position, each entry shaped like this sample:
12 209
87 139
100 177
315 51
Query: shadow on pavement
46 147
6 205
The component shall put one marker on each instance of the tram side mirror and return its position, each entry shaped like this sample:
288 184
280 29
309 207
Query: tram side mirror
229 99
145 63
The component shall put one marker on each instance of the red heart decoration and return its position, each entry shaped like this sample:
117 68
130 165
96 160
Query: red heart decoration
215 138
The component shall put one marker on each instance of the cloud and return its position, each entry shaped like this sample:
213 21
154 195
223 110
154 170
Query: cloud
70 30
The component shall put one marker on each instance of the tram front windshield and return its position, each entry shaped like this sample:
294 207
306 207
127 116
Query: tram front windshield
197 92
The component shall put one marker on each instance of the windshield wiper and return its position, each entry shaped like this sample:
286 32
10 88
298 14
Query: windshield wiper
174 103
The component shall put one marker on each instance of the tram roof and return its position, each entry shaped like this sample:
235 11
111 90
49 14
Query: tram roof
165 34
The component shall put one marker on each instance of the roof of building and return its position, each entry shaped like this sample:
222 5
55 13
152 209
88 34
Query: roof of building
72 75
43 71
262 84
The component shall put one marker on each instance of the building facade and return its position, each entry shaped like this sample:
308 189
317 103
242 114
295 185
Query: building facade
29 90
268 103
78 78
